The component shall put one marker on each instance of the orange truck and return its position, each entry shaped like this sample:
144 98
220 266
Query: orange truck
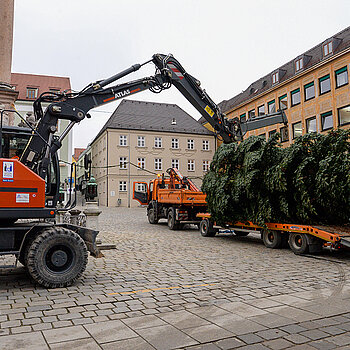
175 198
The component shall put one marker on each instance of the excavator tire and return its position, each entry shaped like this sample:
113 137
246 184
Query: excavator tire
56 258
151 216
272 239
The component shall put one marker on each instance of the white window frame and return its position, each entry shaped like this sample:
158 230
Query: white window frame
206 165
175 143
158 142
175 163
32 91
275 78
299 64
123 140
141 141
123 186
141 162
123 163
158 163
327 48
205 145
190 144
191 165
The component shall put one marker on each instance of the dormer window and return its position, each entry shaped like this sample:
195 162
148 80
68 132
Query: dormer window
173 121
299 64
275 78
327 48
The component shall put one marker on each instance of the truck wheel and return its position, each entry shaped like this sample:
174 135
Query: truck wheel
172 224
239 233
206 228
272 239
151 216
57 257
298 243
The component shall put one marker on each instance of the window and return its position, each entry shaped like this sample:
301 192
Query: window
190 165
311 125
251 113
327 48
309 91
325 84
242 118
205 145
271 107
123 163
140 141
141 187
344 115
297 129
158 164
295 97
283 102
275 78
141 162
341 77
261 110
206 164
32 93
123 140
175 163
272 132
175 143
327 121
299 64
190 144
284 134
122 186
158 142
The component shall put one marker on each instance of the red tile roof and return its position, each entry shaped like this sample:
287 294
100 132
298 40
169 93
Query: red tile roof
22 81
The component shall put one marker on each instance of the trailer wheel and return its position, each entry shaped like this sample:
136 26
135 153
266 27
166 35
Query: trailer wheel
57 257
272 239
298 243
206 228
151 216
239 233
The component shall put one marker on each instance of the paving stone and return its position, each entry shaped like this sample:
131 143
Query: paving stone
65 334
207 333
340 340
22 329
323 345
210 346
79 344
293 328
229 343
182 319
297 338
250 338
278 344
270 334
26 341
109 331
166 337
128 344
314 334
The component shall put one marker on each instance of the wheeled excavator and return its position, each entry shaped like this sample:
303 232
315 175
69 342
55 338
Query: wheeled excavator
56 254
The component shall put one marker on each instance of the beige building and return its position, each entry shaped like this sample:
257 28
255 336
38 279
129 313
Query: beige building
313 89
143 139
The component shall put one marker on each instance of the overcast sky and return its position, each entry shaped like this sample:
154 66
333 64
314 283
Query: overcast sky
225 44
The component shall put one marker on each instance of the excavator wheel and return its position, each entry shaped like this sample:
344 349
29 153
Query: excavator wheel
206 228
57 257
151 216
298 243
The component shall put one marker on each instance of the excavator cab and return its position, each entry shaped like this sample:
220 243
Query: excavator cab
140 192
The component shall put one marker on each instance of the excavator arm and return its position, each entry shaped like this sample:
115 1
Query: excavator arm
74 106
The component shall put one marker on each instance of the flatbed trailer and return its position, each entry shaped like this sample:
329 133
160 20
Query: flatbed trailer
300 238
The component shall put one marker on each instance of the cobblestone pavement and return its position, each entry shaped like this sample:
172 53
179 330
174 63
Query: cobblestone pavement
163 289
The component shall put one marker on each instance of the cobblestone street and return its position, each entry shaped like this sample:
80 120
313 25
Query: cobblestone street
163 289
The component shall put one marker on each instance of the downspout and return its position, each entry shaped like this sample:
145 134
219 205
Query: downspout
107 167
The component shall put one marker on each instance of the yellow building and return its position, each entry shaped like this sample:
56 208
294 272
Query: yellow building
313 89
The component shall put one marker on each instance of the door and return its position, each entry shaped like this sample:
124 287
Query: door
140 192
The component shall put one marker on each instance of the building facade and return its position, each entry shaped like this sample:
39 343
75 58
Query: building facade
313 89
143 139
30 86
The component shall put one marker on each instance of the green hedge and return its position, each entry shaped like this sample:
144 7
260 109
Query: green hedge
259 181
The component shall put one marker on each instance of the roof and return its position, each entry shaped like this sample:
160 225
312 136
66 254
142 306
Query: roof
152 116
340 42
43 83
78 152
